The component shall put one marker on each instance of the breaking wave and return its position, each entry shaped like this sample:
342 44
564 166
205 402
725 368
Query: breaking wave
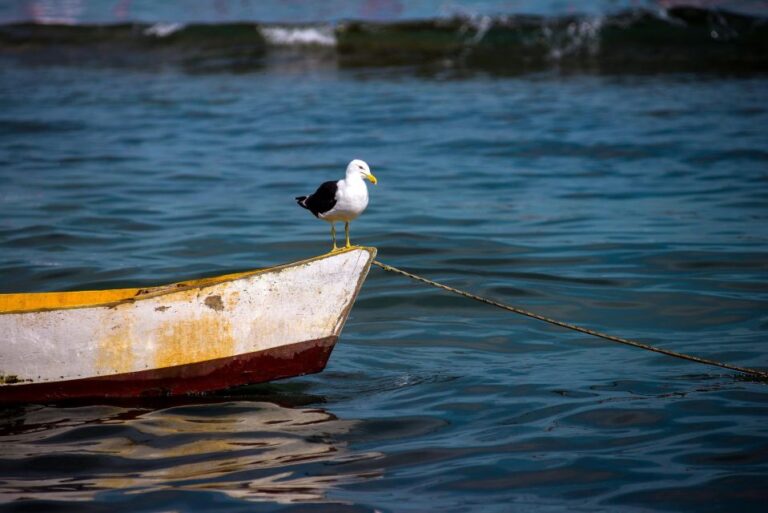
299 36
677 39
163 29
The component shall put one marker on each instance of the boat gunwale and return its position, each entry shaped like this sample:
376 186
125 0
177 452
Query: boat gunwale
170 288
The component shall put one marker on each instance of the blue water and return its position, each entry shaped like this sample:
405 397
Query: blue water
632 203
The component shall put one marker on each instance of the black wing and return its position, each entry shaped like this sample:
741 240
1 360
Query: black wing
323 199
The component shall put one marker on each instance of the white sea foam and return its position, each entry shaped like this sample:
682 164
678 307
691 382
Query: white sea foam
481 25
163 29
579 36
299 36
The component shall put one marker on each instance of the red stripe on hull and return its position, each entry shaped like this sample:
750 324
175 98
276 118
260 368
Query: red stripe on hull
281 362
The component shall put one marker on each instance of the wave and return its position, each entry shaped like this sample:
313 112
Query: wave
677 39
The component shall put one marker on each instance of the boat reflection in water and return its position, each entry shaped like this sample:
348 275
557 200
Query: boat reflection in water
256 451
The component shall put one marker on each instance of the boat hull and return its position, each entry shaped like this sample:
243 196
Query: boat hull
189 337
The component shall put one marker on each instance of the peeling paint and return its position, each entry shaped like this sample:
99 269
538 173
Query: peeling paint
12 379
214 303
232 299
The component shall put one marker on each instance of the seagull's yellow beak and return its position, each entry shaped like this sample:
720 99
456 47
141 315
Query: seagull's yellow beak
371 178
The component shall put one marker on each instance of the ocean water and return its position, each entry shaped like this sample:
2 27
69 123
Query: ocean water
617 180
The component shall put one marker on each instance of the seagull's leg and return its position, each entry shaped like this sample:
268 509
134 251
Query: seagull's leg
333 236
346 232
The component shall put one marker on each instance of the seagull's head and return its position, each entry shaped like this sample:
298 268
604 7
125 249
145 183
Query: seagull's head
359 167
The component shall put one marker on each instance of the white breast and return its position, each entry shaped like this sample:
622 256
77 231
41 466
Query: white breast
351 200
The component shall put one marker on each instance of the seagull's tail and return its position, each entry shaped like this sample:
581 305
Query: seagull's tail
302 201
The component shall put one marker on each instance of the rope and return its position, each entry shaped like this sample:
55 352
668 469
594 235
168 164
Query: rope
745 370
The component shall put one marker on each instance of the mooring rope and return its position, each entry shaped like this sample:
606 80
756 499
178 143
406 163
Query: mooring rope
745 370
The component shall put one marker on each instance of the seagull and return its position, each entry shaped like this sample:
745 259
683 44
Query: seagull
342 200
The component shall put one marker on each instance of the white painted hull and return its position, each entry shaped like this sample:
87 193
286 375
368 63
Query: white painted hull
183 325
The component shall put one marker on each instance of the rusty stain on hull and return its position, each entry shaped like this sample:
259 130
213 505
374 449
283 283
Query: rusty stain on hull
193 340
113 352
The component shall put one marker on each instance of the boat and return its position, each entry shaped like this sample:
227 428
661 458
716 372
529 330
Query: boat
188 337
